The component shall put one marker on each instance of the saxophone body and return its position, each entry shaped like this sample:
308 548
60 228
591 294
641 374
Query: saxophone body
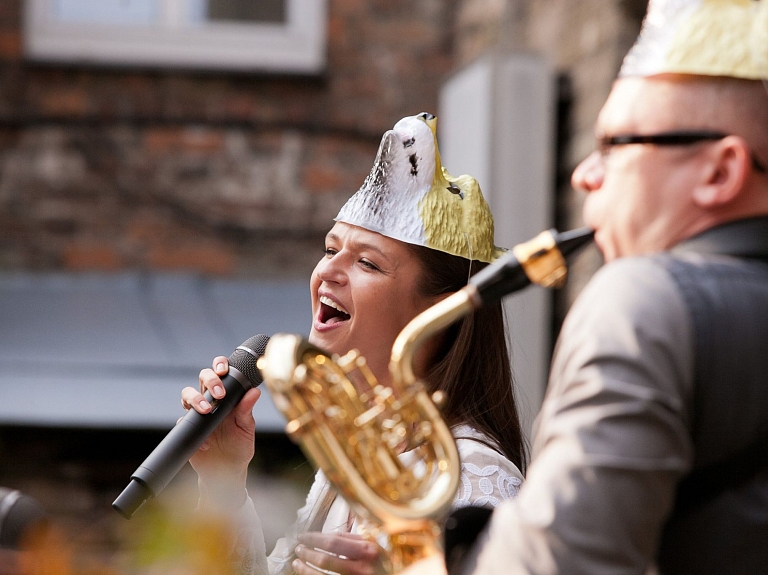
357 431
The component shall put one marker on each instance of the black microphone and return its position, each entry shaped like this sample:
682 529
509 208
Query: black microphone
20 517
540 260
190 433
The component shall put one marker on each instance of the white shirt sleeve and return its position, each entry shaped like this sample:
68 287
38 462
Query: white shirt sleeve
248 553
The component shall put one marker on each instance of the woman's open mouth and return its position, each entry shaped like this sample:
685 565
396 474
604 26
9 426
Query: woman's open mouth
331 312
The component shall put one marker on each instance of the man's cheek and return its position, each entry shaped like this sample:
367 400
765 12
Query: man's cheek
593 211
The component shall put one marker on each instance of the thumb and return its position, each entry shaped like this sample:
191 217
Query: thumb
245 407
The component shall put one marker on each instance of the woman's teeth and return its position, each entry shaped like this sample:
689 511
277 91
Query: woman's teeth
329 302
331 312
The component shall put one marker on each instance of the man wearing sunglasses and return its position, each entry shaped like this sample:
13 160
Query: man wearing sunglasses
650 453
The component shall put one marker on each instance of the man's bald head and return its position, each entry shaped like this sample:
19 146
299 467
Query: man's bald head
647 198
729 105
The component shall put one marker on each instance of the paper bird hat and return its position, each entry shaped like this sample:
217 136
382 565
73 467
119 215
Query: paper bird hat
702 37
409 196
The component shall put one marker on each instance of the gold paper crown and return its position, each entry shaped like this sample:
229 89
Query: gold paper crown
409 196
702 37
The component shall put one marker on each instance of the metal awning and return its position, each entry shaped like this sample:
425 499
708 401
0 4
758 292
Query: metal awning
97 350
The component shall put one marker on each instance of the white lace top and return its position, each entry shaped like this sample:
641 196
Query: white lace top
487 478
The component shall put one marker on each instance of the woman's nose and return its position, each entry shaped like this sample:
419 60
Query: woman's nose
332 270
588 175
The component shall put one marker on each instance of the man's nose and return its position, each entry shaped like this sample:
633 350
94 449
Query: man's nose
588 175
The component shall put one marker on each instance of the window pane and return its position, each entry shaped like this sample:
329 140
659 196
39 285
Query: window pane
107 11
247 10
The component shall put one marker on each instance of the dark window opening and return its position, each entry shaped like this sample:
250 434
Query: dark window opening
267 11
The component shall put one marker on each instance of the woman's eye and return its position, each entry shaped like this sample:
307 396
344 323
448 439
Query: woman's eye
369 265
330 252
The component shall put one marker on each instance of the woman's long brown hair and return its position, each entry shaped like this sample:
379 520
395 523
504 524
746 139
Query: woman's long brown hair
471 364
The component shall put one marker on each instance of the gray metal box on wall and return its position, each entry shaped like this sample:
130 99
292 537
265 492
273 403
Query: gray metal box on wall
496 122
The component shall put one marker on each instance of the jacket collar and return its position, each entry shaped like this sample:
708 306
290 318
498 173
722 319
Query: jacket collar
746 238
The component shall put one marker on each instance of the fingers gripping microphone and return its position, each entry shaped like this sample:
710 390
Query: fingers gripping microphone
192 430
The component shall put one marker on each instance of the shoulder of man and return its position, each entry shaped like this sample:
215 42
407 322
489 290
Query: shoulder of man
630 318
632 286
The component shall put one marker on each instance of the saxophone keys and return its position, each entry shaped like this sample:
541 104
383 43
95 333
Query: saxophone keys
299 425
370 415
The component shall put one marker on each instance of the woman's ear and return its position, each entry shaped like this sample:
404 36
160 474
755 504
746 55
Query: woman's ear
726 171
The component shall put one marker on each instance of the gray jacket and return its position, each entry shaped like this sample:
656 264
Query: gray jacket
651 448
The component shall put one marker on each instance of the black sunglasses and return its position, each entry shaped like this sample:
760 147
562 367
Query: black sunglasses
681 138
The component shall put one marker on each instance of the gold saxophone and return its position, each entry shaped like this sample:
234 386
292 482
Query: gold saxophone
387 450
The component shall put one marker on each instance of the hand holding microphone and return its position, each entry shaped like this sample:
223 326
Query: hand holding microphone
221 462
199 425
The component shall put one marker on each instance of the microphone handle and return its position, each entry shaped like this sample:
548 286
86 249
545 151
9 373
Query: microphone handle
181 443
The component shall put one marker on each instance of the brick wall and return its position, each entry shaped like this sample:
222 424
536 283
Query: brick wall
240 174
236 174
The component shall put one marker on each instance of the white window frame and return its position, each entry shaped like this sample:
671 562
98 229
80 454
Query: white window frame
297 46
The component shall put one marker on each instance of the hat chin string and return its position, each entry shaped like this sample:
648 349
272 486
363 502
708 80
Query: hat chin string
469 249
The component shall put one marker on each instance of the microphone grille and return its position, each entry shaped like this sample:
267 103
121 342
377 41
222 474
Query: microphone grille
19 515
244 357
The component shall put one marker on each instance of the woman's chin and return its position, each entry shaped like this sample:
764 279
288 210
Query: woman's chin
329 342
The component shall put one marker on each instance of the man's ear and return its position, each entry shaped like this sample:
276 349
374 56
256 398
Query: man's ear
723 179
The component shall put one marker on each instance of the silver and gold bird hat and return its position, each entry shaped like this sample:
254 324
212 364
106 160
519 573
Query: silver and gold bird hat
702 37
411 197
